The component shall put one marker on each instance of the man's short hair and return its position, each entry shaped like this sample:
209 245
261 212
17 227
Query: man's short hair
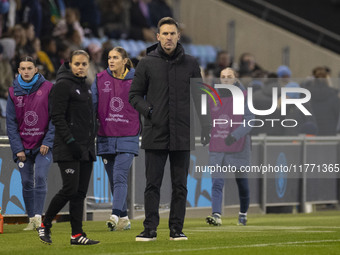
168 21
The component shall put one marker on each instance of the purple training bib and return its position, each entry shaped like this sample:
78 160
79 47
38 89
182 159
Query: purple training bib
115 114
32 115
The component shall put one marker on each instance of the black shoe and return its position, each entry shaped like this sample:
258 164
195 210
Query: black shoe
82 240
45 235
176 235
147 235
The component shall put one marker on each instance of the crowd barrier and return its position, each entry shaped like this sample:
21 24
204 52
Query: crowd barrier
267 189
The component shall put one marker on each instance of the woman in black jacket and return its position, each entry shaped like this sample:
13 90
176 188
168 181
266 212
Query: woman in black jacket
73 150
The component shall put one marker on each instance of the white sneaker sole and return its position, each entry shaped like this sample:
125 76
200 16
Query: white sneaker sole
143 239
178 239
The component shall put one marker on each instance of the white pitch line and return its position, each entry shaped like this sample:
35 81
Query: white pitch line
253 231
227 247
232 228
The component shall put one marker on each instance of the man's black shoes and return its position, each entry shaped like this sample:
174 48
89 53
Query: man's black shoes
147 235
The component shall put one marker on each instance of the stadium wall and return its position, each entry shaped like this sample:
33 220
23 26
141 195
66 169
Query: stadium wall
207 23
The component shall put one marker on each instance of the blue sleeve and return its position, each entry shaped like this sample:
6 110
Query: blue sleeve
12 128
243 130
49 137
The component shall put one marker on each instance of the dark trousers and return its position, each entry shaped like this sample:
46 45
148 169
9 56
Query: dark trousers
217 193
117 167
76 177
34 172
154 164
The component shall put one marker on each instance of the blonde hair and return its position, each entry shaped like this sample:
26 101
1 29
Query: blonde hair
124 55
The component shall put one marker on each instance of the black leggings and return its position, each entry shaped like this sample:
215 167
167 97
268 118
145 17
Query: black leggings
76 177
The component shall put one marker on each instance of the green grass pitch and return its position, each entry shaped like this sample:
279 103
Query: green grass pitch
316 233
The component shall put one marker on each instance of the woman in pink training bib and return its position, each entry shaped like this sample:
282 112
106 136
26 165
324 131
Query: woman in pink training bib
31 135
118 132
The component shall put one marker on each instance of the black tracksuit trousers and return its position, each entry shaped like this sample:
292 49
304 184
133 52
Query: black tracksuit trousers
76 177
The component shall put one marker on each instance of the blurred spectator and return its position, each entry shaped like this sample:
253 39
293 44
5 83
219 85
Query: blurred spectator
263 100
247 65
31 12
4 8
90 15
49 45
73 39
325 102
96 52
8 45
136 60
258 79
19 35
284 74
140 22
107 47
223 60
305 124
323 71
65 27
208 74
9 18
30 35
22 48
43 61
6 79
115 18
53 11
64 53
184 38
58 10
158 9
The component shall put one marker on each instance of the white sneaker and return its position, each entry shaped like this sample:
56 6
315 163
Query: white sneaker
124 224
31 225
112 223
37 221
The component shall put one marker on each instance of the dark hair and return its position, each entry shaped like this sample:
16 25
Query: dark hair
28 59
79 52
168 21
26 25
124 55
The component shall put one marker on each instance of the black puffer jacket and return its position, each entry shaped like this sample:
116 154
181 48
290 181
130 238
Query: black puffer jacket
162 82
72 116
